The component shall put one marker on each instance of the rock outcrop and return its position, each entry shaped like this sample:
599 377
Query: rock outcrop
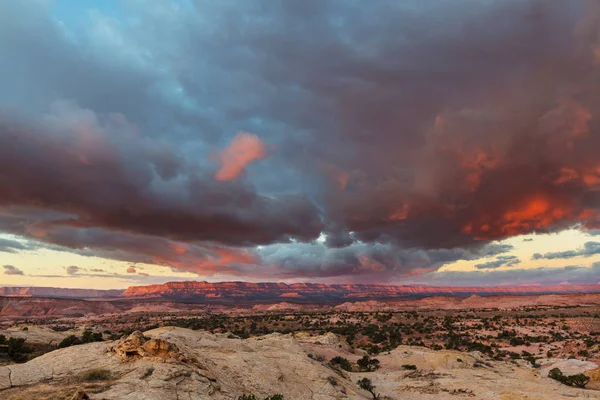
137 346
176 363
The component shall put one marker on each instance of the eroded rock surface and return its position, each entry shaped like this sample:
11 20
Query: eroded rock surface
177 363
137 346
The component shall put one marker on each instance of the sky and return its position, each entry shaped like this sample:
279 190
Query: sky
412 142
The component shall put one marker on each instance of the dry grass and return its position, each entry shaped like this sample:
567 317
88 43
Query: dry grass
52 392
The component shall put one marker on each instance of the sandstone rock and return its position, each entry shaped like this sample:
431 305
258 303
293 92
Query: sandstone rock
136 346
568 367
5 373
143 366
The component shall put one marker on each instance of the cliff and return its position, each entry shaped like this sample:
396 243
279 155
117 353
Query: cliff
270 291
299 292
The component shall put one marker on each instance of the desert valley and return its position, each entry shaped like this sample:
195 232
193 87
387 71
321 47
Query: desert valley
299 199
170 342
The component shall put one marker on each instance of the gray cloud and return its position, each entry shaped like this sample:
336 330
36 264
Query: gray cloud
589 249
368 262
73 270
500 261
514 276
12 270
10 246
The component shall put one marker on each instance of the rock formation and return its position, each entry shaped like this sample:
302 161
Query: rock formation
137 346
176 363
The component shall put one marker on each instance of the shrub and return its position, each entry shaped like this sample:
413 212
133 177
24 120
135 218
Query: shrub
16 349
341 362
317 357
410 367
368 364
69 341
87 337
579 380
366 384
97 375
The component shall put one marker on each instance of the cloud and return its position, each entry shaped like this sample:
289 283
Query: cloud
142 190
244 149
589 249
515 276
10 246
363 262
500 261
131 270
410 136
12 270
73 270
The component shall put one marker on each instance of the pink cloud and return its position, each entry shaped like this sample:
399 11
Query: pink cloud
244 149
73 269
131 270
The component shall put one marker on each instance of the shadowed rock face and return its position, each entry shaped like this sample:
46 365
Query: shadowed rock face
176 363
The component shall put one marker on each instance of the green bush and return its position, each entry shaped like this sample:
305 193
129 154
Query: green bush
366 384
368 364
341 362
16 349
410 367
87 337
578 380
69 341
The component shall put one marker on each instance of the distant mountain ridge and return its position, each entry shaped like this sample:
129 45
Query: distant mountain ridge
34 291
201 290
267 290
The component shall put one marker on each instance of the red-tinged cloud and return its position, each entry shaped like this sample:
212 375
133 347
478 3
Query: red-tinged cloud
244 149
113 179
131 270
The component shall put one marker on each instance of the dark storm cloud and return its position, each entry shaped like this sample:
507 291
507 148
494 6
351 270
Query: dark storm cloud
368 261
412 133
102 174
589 249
